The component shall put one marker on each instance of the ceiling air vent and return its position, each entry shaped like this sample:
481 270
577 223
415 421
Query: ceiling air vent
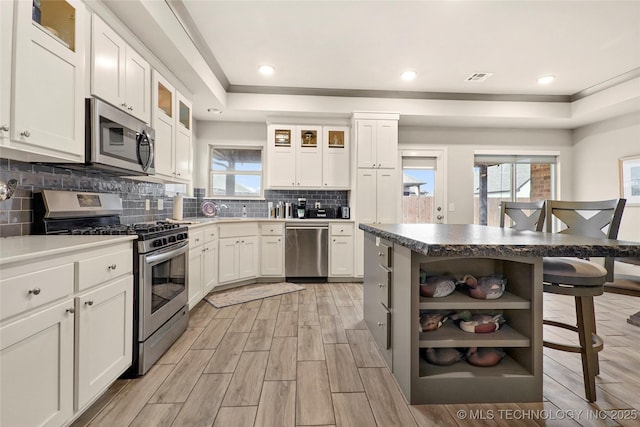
478 77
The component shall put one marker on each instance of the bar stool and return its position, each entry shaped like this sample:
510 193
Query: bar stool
524 215
580 278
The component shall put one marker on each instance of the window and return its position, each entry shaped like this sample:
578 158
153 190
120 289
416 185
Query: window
418 189
235 173
519 178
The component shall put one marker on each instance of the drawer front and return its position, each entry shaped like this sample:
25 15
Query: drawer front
385 253
341 229
93 271
384 286
381 330
196 238
271 229
238 230
27 291
210 234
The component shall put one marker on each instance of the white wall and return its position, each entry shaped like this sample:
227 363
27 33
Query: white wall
461 144
597 148
222 134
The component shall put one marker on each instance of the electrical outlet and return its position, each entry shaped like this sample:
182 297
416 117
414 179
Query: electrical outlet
160 204
147 205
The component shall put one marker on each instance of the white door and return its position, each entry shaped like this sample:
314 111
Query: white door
138 86
209 265
387 196
195 276
335 157
386 143
366 137
271 256
108 56
248 257
228 259
341 256
423 186
6 39
104 339
281 157
36 361
308 156
366 202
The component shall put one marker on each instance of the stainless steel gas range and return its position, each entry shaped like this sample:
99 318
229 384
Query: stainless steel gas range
160 261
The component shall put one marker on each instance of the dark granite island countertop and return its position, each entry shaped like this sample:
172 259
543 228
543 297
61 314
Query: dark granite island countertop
480 240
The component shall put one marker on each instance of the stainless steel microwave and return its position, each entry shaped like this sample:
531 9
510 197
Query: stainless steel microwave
117 142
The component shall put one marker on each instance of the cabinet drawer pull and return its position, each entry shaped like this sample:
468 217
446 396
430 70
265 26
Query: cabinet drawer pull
90 302
34 291
25 134
70 310
112 267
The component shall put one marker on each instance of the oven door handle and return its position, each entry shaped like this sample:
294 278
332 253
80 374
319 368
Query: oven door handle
166 254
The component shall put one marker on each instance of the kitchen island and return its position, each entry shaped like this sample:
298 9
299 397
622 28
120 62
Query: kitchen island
395 254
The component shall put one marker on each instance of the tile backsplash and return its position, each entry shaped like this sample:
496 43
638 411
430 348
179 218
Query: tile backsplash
260 208
16 214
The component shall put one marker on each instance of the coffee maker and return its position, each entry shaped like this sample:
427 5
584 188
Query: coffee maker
302 207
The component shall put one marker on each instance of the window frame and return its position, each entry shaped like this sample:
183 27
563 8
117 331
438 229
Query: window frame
555 187
213 172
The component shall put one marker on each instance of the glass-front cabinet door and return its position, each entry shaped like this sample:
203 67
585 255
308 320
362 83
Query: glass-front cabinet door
48 78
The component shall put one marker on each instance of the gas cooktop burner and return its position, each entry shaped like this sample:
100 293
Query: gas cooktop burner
139 229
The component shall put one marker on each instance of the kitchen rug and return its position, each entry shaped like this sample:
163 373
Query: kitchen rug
250 293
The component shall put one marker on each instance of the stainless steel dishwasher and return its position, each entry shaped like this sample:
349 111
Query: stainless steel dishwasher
306 249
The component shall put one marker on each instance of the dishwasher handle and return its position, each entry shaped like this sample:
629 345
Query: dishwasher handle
308 227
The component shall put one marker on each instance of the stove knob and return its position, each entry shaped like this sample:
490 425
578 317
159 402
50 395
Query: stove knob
157 243
181 236
164 241
172 239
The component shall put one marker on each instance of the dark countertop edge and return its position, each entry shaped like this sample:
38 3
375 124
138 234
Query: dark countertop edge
491 250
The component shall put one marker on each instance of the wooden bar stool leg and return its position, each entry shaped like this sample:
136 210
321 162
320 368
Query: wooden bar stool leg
586 320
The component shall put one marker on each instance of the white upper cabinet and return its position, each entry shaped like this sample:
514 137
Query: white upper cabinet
172 121
377 143
6 39
335 157
118 74
45 115
296 158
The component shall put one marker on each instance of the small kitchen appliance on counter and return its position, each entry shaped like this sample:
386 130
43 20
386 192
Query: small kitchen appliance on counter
302 207
345 212
321 213
160 259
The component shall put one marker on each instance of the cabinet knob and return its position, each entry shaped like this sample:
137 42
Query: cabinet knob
112 267
380 254
130 108
237 241
4 128
34 291
25 134
271 230
70 310
123 105
381 285
90 302
325 183
380 324
293 183
379 164
439 217
334 240
374 165
197 240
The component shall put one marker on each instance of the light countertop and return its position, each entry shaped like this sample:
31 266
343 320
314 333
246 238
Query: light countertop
201 221
21 248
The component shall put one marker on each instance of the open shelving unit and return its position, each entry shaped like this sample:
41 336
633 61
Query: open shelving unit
517 378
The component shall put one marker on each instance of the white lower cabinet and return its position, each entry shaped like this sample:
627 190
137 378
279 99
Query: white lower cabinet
103 337
238 258
36 361
71 336
238 252
203 263
272 250
341 250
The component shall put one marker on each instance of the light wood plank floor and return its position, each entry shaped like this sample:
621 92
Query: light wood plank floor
306 358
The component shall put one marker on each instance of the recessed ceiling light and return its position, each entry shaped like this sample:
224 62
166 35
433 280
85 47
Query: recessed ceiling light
545 80
408 75
267 70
